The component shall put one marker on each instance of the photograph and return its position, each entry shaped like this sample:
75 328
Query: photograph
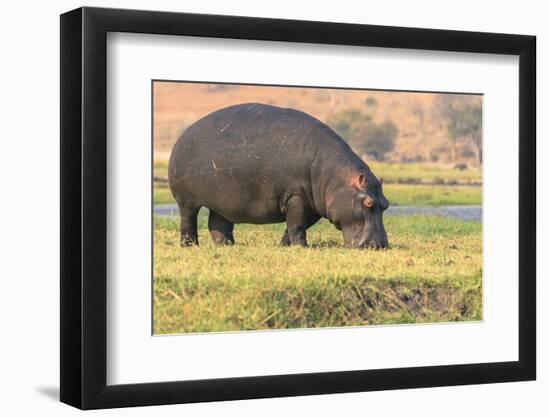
300 207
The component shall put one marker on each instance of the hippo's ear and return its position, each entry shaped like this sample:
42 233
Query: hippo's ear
359 181
362 180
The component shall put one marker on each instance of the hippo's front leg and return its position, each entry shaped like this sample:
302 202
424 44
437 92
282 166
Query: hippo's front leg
311 220
296 222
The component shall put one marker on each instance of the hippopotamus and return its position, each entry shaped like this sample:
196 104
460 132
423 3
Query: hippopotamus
260 164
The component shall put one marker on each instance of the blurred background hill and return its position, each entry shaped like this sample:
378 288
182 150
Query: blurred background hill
389 126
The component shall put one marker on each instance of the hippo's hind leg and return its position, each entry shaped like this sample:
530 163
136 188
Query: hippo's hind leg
188 225
221 229
298 219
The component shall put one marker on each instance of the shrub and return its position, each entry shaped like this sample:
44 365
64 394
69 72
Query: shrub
344 121
464 120
364 136
371 101
374 139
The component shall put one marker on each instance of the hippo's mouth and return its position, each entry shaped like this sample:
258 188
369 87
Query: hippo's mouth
369 238
369 243
373 244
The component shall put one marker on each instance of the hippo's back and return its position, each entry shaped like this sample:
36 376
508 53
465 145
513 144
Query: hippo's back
242 161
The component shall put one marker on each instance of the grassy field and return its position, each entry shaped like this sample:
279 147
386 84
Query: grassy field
389 171
397 194
432 195
420 171
431 274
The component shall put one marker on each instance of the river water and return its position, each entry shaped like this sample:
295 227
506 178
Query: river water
457 212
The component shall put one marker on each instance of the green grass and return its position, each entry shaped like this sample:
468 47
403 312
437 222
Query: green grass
162 195
160 169
431 274
432 195
390 171
397 194
423 171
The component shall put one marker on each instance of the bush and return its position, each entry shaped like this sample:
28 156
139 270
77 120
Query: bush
464 120
371 101
344 121
375 139
364 136
468 152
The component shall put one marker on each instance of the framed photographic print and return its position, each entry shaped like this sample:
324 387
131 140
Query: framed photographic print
257 208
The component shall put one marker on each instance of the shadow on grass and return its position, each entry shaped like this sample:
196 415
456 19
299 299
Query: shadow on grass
400 246
326 244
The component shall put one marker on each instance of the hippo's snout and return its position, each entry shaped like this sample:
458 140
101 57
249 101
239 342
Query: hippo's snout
378 244
373 243
373 235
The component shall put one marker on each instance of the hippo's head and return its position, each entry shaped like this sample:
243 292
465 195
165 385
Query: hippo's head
356 209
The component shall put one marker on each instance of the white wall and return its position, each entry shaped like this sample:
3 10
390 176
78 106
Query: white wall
29 220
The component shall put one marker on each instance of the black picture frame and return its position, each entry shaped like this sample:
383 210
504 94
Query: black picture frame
84 207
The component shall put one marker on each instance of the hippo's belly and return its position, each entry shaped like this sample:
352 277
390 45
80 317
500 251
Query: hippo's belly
239 195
